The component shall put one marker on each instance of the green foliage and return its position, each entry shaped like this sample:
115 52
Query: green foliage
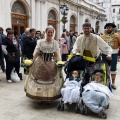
63 20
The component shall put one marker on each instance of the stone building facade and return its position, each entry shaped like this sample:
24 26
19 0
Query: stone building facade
38 14
106 4
116 12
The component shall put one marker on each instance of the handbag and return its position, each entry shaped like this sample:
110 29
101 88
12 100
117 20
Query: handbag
14 76
20 76
13 57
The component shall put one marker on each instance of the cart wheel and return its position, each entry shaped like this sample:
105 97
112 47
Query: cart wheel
58 106
86 109
104 115
62 108
82 111
107 107
77 109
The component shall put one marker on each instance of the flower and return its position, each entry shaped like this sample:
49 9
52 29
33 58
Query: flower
28 62
77 53
60 63
70 56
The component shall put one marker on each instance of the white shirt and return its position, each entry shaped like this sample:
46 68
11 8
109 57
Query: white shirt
103 46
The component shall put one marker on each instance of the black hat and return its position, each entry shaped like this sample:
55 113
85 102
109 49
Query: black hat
86 24
109 24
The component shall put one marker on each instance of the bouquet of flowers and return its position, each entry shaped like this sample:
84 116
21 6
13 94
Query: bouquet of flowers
60 64
27 64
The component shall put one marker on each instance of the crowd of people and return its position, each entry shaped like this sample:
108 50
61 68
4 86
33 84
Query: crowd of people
45 81
30 44
106 48
12 47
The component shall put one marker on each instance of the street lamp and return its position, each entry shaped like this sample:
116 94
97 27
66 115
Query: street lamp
64 11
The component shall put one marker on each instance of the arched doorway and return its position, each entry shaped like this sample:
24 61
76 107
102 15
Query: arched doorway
72 23
97 26
18 18
52 18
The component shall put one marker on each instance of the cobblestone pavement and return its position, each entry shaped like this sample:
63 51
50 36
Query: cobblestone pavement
14 105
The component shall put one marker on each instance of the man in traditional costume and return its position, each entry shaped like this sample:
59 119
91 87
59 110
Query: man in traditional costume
90 44
113 40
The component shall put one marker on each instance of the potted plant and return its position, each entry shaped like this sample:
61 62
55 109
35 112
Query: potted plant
64 20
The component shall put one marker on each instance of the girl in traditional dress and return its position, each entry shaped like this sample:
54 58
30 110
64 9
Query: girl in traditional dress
71 88
44 80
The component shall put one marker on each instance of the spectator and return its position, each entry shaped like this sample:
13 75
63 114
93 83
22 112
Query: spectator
92 30
68 40
38 34
2 37
30 44
64 47
74 37
22 42
42 35
113 40
8 29
11 50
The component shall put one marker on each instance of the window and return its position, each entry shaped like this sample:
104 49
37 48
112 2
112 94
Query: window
17 7
118 26
114 10
51 15
72 19
118 17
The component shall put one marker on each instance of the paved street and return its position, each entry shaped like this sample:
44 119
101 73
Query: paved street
14 105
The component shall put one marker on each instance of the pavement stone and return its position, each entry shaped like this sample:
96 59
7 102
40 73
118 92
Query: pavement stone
14 105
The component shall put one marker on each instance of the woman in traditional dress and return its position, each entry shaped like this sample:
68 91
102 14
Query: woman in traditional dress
44 80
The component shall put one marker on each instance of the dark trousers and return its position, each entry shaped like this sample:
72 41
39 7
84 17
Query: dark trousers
112 63
9 68
2 61
64 57
29 56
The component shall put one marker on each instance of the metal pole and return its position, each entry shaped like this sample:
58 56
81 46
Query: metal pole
64 18
64 25
64 13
